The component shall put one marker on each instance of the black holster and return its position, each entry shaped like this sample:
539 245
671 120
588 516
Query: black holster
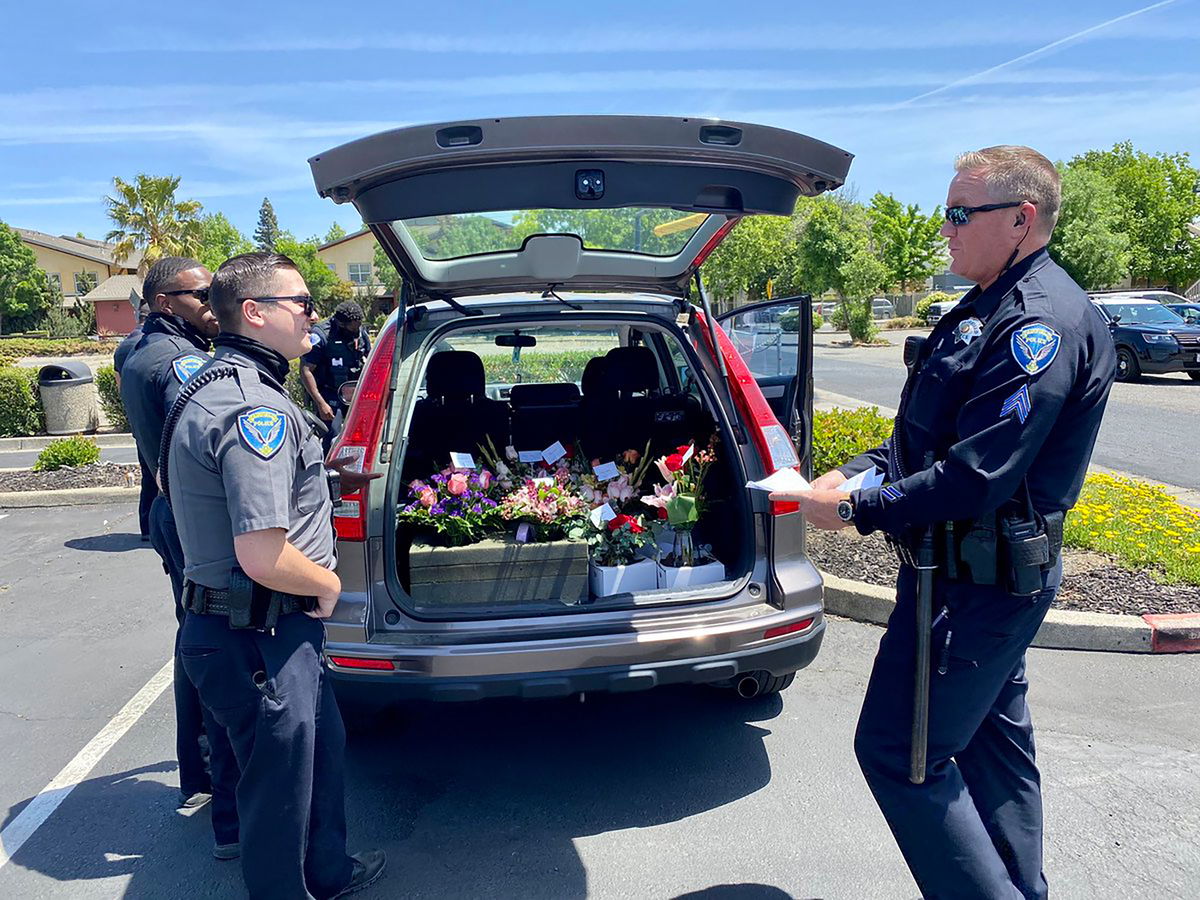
250 604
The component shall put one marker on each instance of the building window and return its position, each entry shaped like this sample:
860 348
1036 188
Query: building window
54 281
360 273
85 281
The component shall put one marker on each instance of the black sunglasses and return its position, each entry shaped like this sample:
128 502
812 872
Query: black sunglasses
200 294
309 304
961 215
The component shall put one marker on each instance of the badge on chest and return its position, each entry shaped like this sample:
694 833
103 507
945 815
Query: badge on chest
967 331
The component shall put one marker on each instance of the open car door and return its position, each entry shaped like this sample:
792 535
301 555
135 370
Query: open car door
775 340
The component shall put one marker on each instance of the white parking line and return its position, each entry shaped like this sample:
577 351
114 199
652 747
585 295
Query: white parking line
41 807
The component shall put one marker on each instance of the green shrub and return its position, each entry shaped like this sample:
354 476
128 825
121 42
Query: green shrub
72 451
861 321
15 348
21 411
817 321
110 398
563 365
839 435
790 319
921 310
902 322
295 387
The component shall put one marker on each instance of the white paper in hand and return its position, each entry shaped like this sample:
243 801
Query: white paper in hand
864 480
782 480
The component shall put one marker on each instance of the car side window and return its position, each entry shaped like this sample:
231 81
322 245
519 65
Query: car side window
767 338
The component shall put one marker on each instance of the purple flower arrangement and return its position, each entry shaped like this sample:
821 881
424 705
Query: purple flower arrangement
457 505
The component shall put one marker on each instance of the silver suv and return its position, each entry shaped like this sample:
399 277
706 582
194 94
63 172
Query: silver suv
551 293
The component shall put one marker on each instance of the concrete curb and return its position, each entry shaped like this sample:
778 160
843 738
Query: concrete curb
90 496
1063 629
41 441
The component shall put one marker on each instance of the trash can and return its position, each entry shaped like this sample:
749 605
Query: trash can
69 398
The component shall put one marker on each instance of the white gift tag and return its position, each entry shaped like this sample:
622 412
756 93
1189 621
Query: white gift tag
691 451
601 514
529 456
554 453
462 460
606 471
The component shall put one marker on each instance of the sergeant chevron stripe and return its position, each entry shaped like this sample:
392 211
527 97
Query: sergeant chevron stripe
1018 403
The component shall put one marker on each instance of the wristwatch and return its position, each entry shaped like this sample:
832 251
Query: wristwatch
845 510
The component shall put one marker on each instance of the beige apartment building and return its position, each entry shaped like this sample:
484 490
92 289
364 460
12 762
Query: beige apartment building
351 258
75 265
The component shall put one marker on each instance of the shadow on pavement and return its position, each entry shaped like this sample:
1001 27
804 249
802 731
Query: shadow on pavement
124 826
487 799
108 543
737 892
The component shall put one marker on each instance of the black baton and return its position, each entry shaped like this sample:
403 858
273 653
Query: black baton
920 720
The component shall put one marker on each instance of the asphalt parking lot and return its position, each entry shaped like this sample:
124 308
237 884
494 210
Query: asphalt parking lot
675 793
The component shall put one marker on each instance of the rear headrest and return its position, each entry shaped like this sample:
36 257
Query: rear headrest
525 395
595 379
454 374
631 369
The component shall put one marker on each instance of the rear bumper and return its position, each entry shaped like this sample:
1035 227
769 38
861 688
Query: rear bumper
778 657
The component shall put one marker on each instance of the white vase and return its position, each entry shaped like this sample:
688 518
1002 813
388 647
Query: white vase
609 580
690 576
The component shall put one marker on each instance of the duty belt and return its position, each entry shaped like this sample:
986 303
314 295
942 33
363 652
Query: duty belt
216 602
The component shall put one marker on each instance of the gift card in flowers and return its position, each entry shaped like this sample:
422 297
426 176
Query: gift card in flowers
554 453
788 480
606 471
601 514
462 460
529 456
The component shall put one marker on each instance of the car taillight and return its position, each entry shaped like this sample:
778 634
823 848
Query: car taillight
781 630
359 438
771 439
356 662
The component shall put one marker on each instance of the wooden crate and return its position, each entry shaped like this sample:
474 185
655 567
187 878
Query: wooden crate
499 573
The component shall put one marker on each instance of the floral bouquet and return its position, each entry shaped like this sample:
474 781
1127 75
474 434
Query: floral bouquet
617 541
620 492
550 505
457 505
680 500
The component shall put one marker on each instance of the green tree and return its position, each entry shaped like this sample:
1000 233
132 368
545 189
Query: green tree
24 291
219 240
147 217
1157 200
908 242
267 232
335 233
387 274
832 230
759 250
317 275
862 277
1089 241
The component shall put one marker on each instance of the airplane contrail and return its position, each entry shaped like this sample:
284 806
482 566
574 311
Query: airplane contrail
1053 45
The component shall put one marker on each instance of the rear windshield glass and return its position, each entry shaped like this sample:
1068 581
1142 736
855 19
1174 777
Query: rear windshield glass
1146 313
650 232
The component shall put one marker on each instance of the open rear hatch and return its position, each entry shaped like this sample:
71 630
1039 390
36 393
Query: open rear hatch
459 207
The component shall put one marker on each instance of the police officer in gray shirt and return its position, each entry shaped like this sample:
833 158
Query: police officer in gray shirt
243 469
174 343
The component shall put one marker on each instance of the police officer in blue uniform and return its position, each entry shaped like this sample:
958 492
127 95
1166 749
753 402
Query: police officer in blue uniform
992 440
149 488
339 348
243 467
174 343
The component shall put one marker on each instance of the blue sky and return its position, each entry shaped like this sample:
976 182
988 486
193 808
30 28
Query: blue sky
233 97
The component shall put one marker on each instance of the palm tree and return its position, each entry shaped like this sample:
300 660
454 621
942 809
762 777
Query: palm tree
149 218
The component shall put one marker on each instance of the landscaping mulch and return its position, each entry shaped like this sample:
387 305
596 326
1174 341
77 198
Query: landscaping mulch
1091 581
100 474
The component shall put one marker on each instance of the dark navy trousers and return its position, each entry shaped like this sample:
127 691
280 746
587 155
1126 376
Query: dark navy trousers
149 491
192 720
974 828
272 695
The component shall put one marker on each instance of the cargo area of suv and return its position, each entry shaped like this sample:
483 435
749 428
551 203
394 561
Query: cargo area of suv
602 387
551 339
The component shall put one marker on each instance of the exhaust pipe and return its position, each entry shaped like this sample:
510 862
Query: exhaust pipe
748 686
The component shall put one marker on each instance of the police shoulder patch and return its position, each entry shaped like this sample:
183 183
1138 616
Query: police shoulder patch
263 430
1035 346
187 366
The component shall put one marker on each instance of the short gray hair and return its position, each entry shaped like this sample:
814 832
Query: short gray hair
1013 172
